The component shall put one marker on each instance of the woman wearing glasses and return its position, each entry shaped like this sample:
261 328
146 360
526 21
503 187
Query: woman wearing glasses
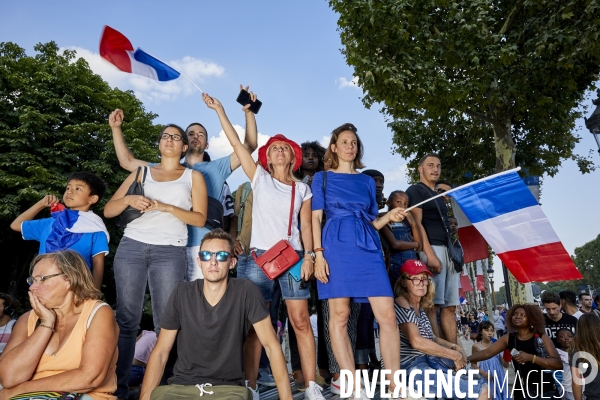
274 186
153 246
68 342
421 350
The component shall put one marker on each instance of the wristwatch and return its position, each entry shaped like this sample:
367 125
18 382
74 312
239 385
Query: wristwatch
310 253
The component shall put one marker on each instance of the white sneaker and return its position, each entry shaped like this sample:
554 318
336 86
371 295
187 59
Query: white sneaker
313 392
255 394
335 386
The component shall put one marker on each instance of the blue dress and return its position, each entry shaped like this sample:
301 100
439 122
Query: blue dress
493 366
352 245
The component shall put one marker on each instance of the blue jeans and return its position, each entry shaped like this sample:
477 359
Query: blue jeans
137 264
421 364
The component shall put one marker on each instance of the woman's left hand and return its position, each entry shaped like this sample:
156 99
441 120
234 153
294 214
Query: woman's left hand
307 269
397 214
523 357
158 206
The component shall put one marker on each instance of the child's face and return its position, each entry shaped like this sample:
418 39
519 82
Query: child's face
565 339
77 196
487 333
399 200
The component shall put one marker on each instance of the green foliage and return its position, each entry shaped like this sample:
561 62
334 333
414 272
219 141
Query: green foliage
53 121
587 260
487 84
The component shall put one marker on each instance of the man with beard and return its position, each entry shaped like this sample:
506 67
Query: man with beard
210 319
432 220
215 172
555 318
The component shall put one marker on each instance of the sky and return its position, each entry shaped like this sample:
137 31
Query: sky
289 54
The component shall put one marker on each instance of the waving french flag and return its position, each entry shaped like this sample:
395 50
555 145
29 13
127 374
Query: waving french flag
70 225
509 218
117 49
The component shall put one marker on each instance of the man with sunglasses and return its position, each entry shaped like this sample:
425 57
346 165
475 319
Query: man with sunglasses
210 319
432 220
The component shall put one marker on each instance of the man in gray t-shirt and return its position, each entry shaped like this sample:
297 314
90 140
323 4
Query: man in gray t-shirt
210 319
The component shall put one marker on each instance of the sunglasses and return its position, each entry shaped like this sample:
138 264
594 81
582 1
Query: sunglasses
440 191
219 255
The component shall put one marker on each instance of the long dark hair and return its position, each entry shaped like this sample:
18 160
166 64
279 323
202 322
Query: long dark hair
317 148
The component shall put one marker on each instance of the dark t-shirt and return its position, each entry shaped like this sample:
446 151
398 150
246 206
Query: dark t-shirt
432 222
567 321
210 340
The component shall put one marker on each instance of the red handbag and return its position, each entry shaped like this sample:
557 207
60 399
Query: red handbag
281 256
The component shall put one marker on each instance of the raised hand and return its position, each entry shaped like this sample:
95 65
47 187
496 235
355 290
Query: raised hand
211 102
48 201
115 119
253 97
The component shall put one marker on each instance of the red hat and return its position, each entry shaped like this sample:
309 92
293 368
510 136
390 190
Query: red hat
414 267
262 151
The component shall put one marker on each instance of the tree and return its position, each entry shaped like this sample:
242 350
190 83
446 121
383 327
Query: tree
53 121
587 260
488 84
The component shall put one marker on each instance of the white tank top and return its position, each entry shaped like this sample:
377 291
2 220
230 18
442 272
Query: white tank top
163 228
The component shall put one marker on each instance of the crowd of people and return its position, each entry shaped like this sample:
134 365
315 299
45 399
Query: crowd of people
308 236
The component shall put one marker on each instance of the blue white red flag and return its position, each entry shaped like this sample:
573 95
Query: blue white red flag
69 226
117 49
509 218
474 245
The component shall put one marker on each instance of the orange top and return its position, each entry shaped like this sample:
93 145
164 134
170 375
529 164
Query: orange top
69 356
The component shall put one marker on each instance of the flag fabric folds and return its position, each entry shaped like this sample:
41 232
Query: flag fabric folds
474 245
510 219
70 225
117 49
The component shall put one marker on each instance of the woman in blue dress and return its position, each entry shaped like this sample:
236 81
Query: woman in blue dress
349 261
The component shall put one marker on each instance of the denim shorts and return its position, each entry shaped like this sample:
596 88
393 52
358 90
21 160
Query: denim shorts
290 289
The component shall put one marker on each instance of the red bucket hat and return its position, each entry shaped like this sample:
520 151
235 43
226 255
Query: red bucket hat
414 267
262 151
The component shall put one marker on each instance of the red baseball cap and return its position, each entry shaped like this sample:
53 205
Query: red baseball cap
262 151
414 267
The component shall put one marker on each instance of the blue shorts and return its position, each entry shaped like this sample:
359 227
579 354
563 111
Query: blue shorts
290 289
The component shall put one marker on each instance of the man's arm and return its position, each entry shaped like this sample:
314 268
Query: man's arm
157 361
251 136
268 338
126 159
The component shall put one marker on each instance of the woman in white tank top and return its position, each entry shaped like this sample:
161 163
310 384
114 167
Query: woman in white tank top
152 250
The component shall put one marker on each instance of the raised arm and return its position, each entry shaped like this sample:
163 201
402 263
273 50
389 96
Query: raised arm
98 352
251 136
242 153
157 361
47 201
498 347
126 159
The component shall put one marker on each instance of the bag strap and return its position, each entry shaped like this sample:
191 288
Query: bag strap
439 211
289 232
244 196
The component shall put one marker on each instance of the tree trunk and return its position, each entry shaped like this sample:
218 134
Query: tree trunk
505 160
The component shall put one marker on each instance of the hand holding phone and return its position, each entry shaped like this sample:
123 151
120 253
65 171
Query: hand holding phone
244 99
514 352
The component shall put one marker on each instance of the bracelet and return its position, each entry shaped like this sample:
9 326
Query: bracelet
319 249
46 326
453 347
533 361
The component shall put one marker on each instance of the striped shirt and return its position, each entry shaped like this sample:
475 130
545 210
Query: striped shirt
408 315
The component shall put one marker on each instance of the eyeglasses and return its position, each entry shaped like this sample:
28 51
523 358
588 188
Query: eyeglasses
440 191
419 281
207 255
39 279
175 137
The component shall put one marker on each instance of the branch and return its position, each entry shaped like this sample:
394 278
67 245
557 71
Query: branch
511 18
481 116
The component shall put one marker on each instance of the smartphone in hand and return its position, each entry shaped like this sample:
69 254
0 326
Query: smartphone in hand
244 98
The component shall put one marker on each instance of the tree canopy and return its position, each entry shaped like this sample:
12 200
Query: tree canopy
53 121
487 84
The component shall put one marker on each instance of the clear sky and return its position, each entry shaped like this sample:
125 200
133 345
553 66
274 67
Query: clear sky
289 54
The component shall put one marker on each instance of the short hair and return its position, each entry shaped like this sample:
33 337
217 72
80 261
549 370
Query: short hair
184 136
426 156
335 162
426 302
199 124
534 317
583 294
218 234
550 297
96 185
569 297
78 274
454 218
442 181
565 330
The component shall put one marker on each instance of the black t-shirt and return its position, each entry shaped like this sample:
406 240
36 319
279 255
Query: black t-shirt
567 321
432 222
210 339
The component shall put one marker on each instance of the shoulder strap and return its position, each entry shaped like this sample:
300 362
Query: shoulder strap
96 308
137 174
247 187
439 211
145 173
289 232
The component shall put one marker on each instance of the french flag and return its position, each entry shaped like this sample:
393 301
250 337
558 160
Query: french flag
509 218
474 245
70 225
117 49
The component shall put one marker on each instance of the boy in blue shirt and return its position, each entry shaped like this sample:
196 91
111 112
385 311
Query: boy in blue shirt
76 227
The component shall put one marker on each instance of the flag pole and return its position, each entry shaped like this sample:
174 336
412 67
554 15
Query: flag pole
463 186
185 76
